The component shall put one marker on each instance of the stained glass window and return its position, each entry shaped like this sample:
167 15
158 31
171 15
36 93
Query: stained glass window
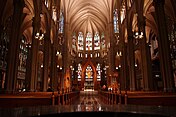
171 25
123 11
4 47
89 84
47 3
4 42
80 41
22 64
22 55
98 72
61 22
116 25
172 38
103 45
80 55
54 15
74 48
89 41
89 73
96 41
79 72
129 3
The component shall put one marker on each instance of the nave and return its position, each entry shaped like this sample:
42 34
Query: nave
88 101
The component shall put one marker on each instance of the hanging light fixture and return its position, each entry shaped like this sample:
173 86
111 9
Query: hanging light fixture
138 35
39 35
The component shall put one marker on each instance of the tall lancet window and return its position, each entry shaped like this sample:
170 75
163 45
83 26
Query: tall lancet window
123 11
4 49
22 56
20 82
61 22
116 24
89 41
129 3
79 72
4 42
89 73
103 44
47 3
98 72
54 15
74 48
171 25
96 41
80 41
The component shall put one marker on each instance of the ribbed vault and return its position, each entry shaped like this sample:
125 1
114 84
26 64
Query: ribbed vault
87 15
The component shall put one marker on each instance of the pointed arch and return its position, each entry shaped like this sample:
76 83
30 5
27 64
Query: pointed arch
89 62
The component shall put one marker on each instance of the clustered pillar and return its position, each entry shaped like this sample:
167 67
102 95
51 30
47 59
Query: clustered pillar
164 52
12 61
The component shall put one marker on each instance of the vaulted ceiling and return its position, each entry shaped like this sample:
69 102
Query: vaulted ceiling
87 15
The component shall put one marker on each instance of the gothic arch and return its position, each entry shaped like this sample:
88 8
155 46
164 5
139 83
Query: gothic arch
94 73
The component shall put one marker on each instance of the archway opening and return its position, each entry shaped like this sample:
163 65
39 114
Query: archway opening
89 78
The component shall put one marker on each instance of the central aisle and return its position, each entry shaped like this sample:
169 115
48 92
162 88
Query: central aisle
88 101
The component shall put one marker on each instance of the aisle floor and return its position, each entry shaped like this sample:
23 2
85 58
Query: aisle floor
88 101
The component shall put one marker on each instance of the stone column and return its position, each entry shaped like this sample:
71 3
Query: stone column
164 49
13 58
123 58
35 47
145 52
130 49
131 61
124 67
54 81
146 61
34 56
46 61
111 55
65 55
28 70
54 46
145 55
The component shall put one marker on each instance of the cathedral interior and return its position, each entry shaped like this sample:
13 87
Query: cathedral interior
88 55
